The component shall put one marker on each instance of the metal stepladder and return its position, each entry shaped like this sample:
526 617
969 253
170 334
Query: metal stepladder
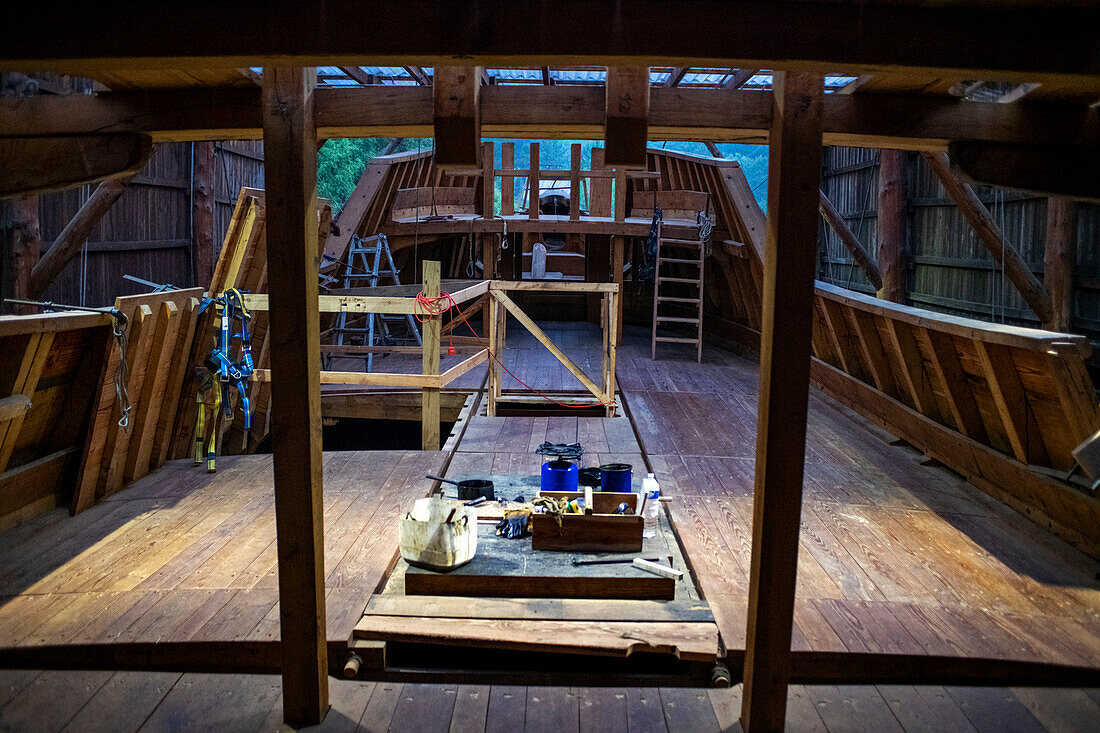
365 264
698 249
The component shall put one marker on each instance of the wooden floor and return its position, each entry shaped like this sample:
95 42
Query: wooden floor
896 556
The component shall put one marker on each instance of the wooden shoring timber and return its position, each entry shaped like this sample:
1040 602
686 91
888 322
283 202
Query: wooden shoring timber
848 238
159 332
794 172
1003 252
430 332
76 232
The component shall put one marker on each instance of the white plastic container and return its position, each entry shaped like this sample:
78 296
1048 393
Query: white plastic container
438 534
652 491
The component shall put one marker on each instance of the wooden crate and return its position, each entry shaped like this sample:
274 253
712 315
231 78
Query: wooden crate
600 531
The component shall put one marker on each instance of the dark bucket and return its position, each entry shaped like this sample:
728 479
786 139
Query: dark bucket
616 477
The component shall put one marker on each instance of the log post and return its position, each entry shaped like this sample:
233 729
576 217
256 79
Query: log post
290 144
892 253
794 175
430 336
991 236
202 213
1060 261
22 244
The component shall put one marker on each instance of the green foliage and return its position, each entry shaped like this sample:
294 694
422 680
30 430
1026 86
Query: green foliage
341 161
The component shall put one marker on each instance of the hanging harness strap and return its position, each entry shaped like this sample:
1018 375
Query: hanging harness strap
224 373
207 386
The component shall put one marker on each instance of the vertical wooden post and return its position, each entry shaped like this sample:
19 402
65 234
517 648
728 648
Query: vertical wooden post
494 373
575 182
891 225
21 240
794 182
488 181
202 213
1060 261
626 123
429 406
290 141
618 254
507 182
533 185
457 116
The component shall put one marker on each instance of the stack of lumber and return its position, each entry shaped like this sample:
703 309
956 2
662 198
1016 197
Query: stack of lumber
242 264
159 331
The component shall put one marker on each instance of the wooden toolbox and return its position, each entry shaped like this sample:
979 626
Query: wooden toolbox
600 531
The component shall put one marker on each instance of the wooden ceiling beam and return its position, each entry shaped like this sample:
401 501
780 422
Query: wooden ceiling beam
1029 40
43 164
1058 170
910 122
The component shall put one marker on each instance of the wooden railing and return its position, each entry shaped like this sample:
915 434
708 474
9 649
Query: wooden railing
1022 391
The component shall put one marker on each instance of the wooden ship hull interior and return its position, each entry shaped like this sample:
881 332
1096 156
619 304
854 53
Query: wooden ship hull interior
611 446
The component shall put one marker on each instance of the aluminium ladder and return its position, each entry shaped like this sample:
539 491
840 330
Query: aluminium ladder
369 254
661 295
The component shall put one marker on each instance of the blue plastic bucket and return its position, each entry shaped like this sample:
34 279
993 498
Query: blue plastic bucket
616 477
559 475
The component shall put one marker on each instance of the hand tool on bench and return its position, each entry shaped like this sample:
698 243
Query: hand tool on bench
610 561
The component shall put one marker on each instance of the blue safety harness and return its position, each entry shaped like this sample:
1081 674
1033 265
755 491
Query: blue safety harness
229 372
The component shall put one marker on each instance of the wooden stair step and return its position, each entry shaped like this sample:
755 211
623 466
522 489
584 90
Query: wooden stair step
685 242
677 319
663 279
663 298
697 263
677 340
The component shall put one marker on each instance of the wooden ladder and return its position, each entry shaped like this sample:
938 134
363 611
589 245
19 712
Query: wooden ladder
698 249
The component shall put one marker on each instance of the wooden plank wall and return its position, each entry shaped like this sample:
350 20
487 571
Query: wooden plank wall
949 269
147 232
159 333
242 263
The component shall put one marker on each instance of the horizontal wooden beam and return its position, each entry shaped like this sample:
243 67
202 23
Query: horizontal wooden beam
873 120
43 164
983 40
1044 169
544 286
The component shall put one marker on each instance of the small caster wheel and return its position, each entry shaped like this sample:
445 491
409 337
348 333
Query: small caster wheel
720 677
